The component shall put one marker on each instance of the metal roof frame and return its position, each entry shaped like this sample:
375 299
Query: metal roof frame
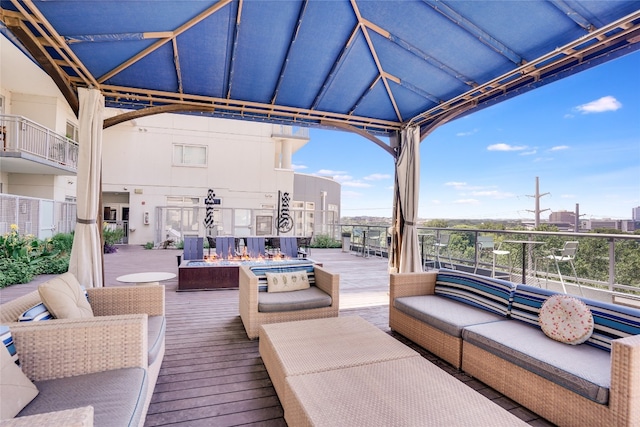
30 24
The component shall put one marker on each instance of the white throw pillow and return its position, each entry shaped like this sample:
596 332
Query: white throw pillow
16 390
566 319
64 297
285 282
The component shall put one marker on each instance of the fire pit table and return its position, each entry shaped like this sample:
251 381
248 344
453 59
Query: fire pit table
197 275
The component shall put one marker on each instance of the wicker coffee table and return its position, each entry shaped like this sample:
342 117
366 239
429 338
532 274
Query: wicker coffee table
303 347
345 371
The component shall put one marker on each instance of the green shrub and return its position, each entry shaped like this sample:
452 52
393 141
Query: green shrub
111 236
325 241
15 271
22 257
148 245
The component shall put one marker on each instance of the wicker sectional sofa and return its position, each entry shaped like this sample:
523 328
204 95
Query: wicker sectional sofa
91 371
489 329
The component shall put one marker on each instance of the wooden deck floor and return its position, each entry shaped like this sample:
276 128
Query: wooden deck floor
212 374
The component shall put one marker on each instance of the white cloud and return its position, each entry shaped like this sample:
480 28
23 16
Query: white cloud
329 172
568 196
559 148
356 184
467 202
342 178
436 202
469 133
454 184
604 104
506 147
377 176
529 153
298 167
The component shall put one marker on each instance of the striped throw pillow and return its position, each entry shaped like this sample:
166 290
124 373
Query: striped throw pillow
527 301
7 341
610 321
262 270
36 313
494 295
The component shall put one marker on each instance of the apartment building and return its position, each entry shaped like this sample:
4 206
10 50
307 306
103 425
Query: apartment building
158 171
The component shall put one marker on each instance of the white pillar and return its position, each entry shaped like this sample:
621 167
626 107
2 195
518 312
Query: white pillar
286 154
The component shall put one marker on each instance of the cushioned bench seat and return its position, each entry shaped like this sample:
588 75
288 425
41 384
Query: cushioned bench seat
582 369
304 299
117 396
444 314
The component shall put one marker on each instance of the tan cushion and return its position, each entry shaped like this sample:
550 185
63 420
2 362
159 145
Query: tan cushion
566 319
16 390
64 298
289 281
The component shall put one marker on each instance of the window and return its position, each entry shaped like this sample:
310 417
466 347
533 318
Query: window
182 201
71 132
189 155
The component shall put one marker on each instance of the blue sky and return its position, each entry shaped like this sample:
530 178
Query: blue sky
580 136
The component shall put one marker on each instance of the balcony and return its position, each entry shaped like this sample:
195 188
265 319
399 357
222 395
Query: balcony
30 148
606 264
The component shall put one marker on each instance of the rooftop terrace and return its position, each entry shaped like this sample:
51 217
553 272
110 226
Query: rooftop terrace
212 374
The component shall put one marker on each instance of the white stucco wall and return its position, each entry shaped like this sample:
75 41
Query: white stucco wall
138 155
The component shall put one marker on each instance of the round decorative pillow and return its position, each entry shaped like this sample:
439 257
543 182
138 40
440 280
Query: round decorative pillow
566 319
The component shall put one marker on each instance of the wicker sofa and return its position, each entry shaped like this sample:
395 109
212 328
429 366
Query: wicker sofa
500 343
259 307
91 371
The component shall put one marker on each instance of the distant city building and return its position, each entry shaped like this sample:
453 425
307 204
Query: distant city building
635 214
614 224
563 216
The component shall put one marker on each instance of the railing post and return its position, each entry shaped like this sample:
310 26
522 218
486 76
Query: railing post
612 263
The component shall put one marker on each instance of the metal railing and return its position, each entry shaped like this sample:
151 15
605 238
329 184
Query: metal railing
605 261
29 213
20 134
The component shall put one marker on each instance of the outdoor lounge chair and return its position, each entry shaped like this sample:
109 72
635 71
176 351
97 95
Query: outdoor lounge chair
259 307
193 248
255 247
289 246
226 247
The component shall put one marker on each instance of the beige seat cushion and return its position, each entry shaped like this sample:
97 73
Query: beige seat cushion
64 298
16 390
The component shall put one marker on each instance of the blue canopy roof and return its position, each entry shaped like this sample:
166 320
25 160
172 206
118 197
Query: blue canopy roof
372 66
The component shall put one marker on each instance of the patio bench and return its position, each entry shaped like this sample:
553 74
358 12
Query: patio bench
345 371
98 370
490 329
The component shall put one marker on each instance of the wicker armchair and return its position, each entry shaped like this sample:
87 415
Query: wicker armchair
253 319
117 337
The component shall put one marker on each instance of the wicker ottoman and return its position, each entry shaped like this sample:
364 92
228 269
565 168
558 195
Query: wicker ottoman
307 346
407 392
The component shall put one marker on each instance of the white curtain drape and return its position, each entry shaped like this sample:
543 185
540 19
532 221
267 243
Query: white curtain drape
86 254
407 194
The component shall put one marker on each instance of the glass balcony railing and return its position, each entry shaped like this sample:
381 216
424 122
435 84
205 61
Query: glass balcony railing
607 262
21 135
